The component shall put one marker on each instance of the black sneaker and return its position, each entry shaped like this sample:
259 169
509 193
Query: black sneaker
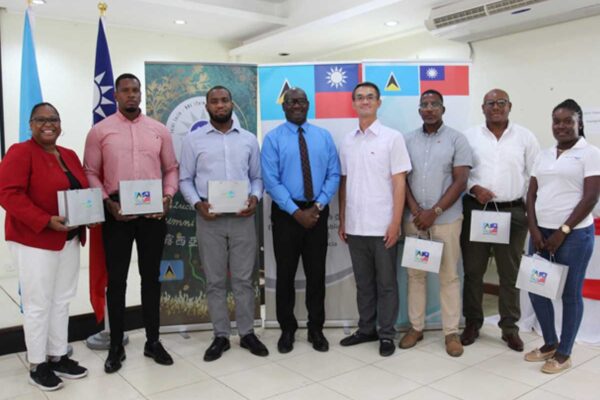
44 378
68 368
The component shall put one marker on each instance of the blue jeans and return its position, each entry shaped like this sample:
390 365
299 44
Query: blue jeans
575 252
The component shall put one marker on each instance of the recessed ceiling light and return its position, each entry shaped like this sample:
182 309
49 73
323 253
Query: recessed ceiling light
39 2
391 23
284 54
179 22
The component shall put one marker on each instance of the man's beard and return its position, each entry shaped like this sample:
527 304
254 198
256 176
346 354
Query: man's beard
221 119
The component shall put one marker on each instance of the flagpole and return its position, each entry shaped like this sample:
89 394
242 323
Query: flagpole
101 340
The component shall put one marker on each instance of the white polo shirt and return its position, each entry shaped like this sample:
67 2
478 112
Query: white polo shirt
560 183
368 161
502 166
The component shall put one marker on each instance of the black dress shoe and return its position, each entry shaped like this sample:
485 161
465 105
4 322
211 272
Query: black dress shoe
358 338
156 351
469 335
285 344
256 347
386 347
318 340
216 348
514 341
116 355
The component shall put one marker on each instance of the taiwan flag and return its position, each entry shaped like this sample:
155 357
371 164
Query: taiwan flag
449 80
333 90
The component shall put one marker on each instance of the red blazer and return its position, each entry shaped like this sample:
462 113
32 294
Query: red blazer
29 180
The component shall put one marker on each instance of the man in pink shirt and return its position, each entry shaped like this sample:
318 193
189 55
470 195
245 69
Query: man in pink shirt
128 145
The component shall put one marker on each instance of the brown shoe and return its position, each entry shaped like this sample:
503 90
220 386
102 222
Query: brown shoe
538 355
454 347
469 335
552 366
410 339
514 341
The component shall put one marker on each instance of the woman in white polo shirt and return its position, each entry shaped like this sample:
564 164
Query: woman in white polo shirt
563 190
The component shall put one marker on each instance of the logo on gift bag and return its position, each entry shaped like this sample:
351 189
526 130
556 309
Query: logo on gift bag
230 194
538 277
421 256
87 203
490 228
142 198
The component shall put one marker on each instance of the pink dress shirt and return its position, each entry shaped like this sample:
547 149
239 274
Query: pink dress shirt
118 149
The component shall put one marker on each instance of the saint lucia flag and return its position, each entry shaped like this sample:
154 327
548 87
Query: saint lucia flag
104 105
31 92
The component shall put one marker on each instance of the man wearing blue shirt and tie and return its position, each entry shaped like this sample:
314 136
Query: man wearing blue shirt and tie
301 172
222 150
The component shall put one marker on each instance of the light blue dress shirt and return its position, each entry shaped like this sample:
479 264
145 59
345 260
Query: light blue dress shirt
282 169
208 154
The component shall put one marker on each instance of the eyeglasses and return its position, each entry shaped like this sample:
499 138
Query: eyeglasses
500 103
433 104
369 98
293 102
41 121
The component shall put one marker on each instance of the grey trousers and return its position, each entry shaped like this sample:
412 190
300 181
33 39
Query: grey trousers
228 243
376 285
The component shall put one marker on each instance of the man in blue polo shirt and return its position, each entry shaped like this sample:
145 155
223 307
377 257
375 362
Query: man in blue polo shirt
301 173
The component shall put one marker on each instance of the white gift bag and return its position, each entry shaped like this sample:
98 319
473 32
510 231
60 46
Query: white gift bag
81 206
542 277
490 226
422 254
141 196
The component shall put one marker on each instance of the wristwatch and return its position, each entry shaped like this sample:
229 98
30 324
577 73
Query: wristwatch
566 229
438 211
320 206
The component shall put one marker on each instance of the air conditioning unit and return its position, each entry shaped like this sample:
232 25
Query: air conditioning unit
471 20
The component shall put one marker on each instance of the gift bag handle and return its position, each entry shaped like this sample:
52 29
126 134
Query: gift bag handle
495 205
427 232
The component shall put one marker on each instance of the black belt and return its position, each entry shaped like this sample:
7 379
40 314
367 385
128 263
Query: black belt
303 205
502 204
509 204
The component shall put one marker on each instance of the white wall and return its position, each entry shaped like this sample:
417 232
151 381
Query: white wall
538 68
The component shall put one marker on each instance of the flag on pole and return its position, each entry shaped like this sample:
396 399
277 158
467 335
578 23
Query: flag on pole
104 105
31 91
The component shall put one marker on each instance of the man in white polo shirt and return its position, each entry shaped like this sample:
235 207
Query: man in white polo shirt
374 163
503 157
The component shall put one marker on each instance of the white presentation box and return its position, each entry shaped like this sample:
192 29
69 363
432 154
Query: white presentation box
227 196
81 206
142 196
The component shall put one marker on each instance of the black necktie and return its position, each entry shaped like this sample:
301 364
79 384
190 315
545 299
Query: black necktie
306 175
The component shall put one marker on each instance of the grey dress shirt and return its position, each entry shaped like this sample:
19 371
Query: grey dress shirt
433 156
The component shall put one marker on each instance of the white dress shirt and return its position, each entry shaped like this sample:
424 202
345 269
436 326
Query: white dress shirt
368 161
560 183
502 165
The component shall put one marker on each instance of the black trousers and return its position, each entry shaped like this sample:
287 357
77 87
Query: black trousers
508 258
149 235
290 241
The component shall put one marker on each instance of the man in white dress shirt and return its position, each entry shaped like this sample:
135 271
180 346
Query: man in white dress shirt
374 164
503 156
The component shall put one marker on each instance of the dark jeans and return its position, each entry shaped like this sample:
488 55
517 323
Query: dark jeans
376 285
149 235
290 241
575 252
508 258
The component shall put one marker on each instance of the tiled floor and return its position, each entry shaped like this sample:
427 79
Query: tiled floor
488 370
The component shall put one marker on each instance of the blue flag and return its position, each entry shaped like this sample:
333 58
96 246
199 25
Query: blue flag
104 96
31 92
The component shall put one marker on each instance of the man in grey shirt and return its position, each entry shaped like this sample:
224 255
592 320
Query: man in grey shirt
441 158
222 150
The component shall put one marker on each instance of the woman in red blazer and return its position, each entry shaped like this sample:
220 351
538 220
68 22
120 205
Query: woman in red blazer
45 250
